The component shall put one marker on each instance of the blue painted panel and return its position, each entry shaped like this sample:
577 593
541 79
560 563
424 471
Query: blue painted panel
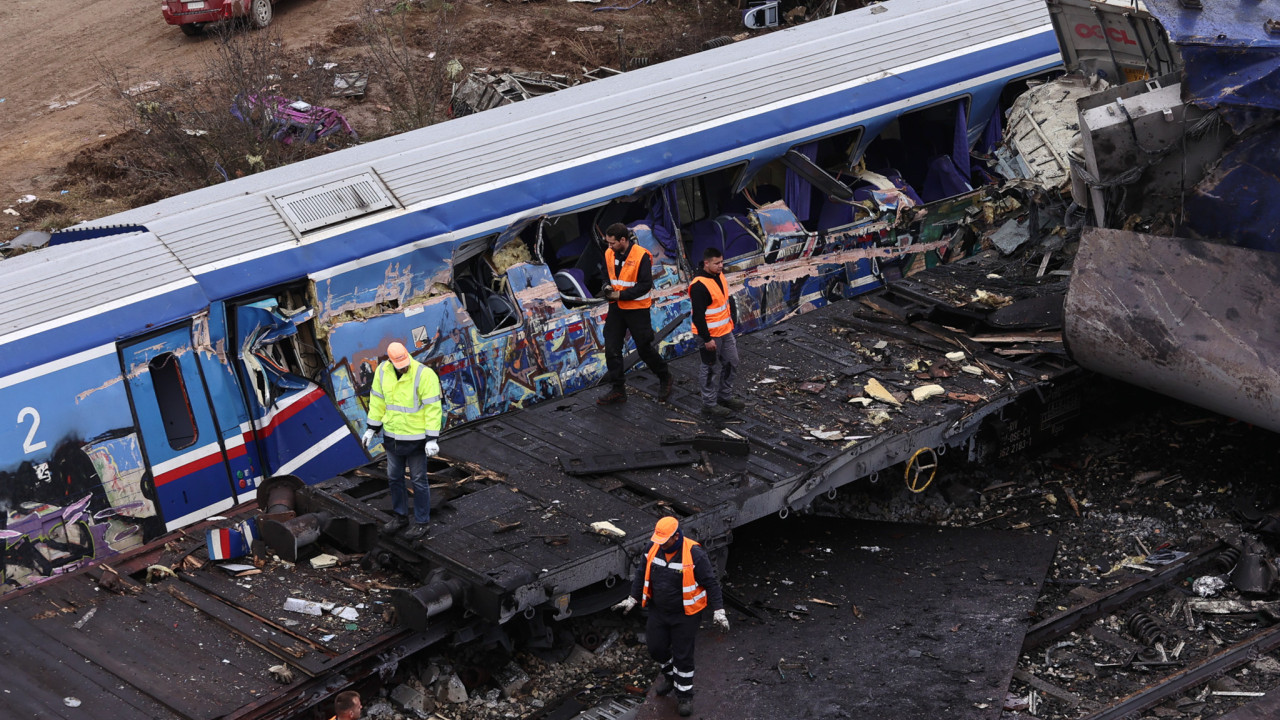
407 276
192 477
76 488
102 328
296 422
1245 181
1229 56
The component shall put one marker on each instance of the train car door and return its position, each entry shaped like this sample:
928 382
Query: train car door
295 427
186 454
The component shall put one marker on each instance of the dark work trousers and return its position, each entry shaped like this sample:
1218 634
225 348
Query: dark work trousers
411 454
718 369
670 638
616 326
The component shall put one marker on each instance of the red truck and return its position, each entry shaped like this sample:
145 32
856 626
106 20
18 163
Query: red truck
193 15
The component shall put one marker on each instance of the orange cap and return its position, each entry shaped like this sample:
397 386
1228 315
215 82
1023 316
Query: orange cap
665 528
398 355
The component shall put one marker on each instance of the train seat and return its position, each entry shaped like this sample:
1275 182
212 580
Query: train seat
738 240
704 234
943 180
572 284
570 251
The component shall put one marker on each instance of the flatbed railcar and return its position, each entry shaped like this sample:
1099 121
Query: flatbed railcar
158 366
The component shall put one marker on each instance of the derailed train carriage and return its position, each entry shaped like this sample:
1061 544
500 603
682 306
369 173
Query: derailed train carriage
161 365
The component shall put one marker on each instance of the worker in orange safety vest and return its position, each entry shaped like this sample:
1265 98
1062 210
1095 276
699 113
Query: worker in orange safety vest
630 269
712 311
676 583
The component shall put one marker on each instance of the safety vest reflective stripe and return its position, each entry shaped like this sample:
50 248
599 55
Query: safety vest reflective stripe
666 564
699 598
695 598
719 319
629 276
414 411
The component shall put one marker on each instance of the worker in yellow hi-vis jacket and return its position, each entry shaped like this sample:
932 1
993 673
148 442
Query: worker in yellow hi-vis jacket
405 406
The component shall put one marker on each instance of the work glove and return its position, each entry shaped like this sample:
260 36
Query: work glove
626 605
367 440
433 448
719 618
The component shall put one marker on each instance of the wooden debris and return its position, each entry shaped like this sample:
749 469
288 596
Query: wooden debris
1019 337
1071 498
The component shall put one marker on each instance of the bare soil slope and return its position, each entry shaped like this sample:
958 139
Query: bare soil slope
56 102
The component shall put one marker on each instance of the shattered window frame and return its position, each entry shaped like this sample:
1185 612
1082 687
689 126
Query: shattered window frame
909 173
477 300
700 192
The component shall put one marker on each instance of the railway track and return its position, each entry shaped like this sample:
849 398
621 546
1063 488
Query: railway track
1149 646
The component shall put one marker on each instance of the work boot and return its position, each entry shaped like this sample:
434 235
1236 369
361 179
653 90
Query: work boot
395 523
733 404
684 706
613 397
665 685
715 412
415 531
664 390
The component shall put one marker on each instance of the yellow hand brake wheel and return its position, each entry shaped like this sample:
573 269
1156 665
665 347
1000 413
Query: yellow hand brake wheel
916 472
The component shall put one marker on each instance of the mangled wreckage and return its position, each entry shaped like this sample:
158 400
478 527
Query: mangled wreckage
1165 131
219 346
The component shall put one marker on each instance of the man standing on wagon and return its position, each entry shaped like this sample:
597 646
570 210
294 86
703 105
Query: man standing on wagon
713 324
405 406
630 269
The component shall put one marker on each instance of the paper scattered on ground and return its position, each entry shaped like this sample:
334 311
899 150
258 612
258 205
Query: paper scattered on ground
306 607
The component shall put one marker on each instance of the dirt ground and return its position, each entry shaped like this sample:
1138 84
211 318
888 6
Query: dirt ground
57 105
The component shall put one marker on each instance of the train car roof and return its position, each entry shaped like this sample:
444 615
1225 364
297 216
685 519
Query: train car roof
44 293
222 224
579 145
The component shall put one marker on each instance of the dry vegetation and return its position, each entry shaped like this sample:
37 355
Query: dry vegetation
179 133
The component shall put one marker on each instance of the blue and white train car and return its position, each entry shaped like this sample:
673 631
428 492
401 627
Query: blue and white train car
157 365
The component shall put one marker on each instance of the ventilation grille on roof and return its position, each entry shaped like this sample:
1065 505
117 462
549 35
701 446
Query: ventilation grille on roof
334 202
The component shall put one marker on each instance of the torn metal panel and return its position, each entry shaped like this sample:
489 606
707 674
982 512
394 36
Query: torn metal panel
1231 50
1044 131
1244 178
1117 40
1189 319
483 90
1126 129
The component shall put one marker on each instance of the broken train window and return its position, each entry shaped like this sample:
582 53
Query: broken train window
482 288
572 245
277 346
925 152
712 214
